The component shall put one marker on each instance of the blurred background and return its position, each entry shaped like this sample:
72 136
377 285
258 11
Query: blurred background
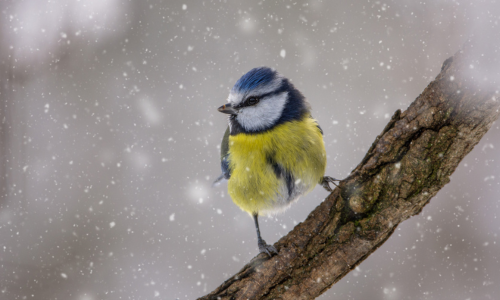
109 142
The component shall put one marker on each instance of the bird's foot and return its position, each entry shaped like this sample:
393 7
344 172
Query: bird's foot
326 183
265 248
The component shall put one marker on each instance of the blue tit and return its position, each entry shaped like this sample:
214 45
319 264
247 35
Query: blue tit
272 151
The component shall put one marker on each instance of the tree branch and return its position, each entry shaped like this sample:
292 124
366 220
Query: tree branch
409 162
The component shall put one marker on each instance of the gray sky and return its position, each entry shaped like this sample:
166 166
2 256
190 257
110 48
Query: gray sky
110 142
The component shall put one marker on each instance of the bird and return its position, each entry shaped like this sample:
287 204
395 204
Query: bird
272 151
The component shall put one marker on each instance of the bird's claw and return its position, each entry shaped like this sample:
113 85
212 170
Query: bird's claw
326 183
265 248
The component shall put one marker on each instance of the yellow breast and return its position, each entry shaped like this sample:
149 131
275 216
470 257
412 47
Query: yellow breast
297 146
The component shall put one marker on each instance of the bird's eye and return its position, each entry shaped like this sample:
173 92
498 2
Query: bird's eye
252 101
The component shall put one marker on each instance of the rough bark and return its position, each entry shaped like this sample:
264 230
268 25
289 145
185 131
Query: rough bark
409 162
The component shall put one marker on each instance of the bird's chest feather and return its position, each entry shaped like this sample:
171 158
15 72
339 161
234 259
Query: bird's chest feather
275 166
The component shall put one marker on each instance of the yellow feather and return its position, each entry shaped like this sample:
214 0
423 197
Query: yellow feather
297 146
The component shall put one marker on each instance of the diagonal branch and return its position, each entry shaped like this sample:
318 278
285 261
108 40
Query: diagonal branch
409 162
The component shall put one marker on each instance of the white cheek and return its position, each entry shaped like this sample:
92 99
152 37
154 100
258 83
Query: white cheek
263 115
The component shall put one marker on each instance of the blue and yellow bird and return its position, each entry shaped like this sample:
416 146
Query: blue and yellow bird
272 151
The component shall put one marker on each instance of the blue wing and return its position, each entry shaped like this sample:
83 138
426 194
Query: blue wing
224 159
317 125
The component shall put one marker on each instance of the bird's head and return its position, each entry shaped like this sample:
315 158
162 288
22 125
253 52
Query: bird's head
262 99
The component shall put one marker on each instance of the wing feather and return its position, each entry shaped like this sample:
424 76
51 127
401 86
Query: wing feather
224 158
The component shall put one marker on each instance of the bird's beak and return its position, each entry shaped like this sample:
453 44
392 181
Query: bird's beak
228 109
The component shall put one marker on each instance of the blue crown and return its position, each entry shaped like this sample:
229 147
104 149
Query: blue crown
254 78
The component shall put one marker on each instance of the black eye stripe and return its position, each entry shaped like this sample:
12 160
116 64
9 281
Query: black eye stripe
260 97
250 101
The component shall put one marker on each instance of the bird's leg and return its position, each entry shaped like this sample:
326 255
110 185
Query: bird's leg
326 183
263 247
